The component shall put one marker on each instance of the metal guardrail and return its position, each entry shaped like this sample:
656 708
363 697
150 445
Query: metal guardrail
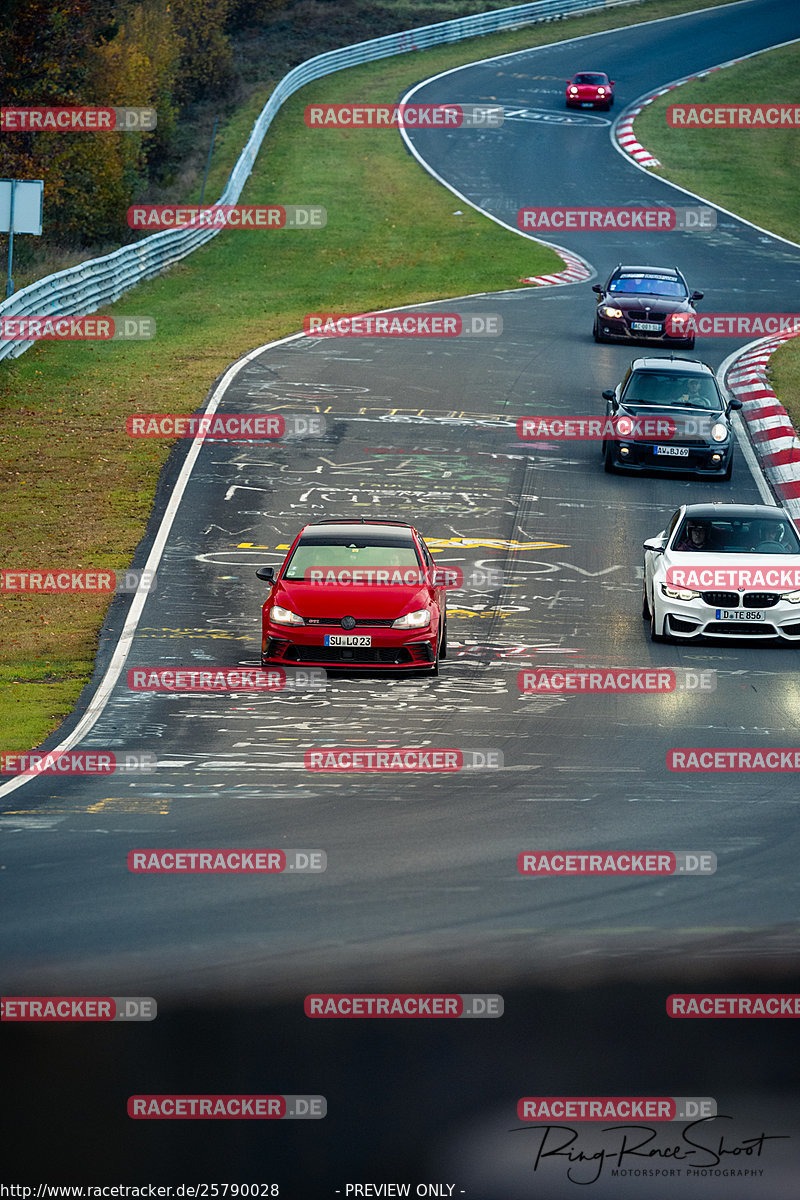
97 282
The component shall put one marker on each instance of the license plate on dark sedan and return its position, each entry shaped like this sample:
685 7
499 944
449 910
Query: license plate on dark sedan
646 326
347 639
674 451
739 614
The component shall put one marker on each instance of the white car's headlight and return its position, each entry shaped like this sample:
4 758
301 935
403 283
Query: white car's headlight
608 311
792 597
413 620
719 432
284 616
675 593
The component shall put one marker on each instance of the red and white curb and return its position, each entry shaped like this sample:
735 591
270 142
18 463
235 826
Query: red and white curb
772 433
576 270
623 130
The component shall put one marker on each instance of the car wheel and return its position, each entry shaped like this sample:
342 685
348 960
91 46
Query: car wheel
608 460
443 647
655 634
596 334
645 605
729 470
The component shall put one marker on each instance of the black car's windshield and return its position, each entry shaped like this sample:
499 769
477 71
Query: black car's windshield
672 388
357 553
761 535
647 285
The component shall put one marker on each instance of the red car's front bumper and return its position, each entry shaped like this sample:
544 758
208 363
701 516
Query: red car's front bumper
397 649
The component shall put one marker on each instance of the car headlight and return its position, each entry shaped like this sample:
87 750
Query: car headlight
624 426
792 597
607 311
601 91
284 616
573 91
679 593
719 432
417 619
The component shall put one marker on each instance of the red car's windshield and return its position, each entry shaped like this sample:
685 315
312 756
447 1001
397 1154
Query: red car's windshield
308 556
590 79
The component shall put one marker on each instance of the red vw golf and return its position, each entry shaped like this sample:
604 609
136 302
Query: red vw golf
355 594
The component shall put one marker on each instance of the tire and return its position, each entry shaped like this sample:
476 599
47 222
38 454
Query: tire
608 463
596 333
645 605
729 471
443 647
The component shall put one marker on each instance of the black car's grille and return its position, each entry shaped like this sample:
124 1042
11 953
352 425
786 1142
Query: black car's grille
639 314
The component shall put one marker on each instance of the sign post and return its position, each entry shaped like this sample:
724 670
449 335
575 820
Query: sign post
20 212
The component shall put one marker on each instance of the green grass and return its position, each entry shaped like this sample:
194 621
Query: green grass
753 173
77 491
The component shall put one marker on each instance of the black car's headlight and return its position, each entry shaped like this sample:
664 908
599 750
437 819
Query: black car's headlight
607 311
719 431
284 616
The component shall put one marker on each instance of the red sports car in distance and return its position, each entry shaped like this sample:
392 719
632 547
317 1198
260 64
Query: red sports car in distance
590 89
355 594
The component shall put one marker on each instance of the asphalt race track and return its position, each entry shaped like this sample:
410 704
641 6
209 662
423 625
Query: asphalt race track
422 890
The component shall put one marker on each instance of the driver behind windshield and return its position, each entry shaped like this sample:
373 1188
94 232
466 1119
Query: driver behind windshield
696 537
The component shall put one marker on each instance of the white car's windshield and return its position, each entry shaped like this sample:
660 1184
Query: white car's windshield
770 535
